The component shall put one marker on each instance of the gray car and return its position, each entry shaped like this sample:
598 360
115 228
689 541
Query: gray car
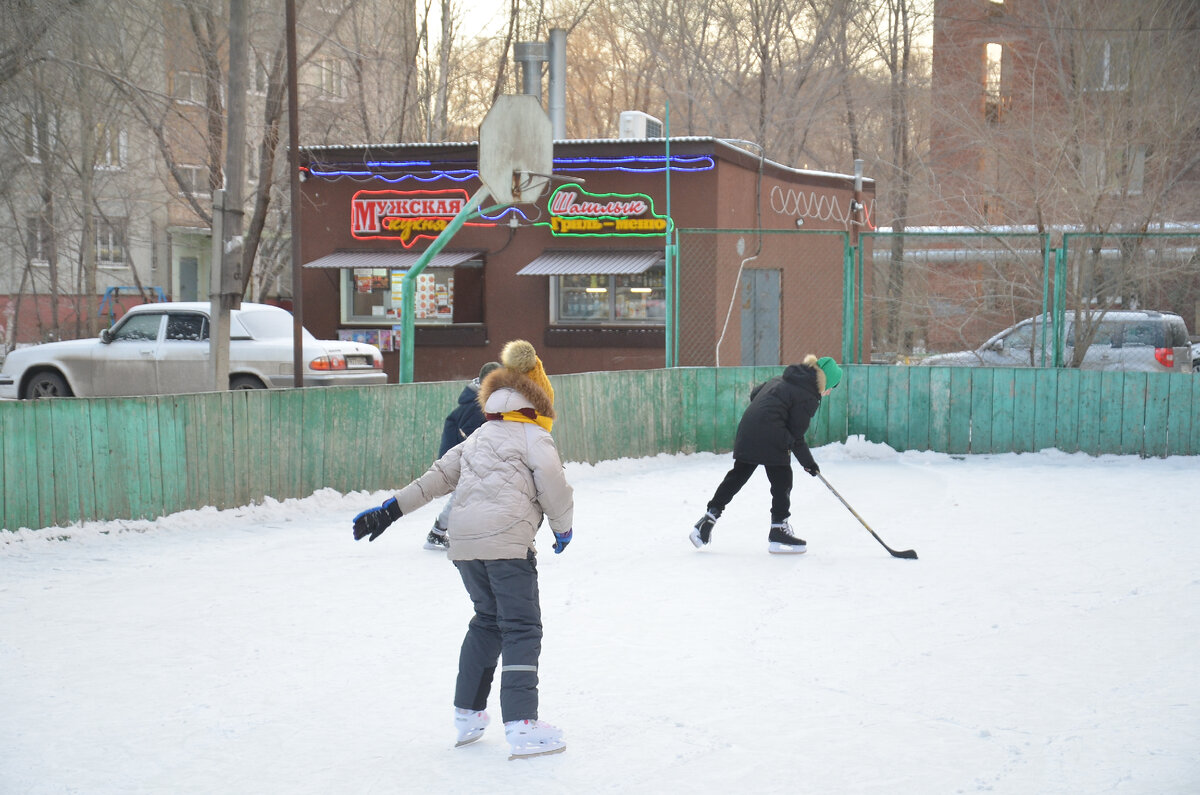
158 349
1142 341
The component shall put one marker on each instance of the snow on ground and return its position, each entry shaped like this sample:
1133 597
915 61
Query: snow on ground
1048 640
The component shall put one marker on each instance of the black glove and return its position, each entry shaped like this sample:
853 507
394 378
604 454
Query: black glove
373 521
813 470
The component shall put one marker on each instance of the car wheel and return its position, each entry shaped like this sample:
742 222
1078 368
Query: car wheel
246 382
47 384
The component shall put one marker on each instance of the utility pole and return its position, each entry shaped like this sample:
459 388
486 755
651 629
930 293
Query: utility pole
226 284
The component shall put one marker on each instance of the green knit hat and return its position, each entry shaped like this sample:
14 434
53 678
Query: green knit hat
833 373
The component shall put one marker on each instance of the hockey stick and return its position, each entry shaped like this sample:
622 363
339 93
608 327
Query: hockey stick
905 553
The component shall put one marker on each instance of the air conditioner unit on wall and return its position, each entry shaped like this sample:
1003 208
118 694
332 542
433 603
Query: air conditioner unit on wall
635 124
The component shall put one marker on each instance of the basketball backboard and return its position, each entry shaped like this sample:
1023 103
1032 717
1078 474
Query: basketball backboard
516 149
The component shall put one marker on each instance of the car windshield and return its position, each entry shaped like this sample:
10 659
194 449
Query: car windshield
1020 337
265 325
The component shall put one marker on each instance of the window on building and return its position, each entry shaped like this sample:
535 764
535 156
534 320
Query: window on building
252 163
188 87
1132 169
996 83
443 295
330 78
37 238
193 180
259 79
1107 66
626 299
110 241
1121 170
30 147
111 144
32 128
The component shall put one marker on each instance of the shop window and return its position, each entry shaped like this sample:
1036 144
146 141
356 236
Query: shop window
443 295
636 299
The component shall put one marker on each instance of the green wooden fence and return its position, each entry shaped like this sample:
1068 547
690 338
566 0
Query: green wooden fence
68 460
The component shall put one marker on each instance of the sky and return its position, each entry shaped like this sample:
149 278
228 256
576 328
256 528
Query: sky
1046 640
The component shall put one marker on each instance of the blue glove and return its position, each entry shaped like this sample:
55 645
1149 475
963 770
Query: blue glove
561 540
374 521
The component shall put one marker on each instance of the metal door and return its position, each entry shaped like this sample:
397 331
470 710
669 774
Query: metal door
760 317
189 282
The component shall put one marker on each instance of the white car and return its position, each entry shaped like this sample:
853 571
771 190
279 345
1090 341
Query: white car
163 349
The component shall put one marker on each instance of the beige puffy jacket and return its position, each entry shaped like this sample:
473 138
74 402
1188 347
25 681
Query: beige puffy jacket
505 476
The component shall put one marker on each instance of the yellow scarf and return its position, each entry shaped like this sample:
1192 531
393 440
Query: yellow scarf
517 416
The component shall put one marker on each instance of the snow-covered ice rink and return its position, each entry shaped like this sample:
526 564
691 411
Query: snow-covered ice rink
1047 641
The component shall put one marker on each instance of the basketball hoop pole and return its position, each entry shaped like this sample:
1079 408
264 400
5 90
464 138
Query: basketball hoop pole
408 286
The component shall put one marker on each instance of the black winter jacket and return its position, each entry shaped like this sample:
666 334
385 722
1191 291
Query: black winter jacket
462 422
776 419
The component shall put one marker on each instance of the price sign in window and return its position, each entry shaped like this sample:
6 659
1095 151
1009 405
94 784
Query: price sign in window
372 295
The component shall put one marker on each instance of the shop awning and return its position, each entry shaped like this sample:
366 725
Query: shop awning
393 260
582 263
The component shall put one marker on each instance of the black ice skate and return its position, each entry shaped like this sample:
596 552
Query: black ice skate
703 532
782 542
436 539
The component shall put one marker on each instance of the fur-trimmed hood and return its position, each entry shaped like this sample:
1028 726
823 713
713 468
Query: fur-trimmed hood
520 383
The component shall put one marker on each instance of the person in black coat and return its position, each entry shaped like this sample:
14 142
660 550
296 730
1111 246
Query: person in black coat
460 423
770 432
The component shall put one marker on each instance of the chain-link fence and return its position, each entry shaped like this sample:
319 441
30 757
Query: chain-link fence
947 296
936 292
759 298
1098 275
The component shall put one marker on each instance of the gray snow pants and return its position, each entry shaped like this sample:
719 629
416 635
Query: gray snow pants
508 622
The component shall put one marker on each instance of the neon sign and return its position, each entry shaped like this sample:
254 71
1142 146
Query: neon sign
407 217
395 171
576 213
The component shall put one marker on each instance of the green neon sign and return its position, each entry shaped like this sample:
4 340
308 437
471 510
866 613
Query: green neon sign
576 213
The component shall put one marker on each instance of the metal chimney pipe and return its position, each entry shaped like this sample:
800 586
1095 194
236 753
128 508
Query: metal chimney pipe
558 83
530 55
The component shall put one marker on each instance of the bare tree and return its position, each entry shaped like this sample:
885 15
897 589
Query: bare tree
24 25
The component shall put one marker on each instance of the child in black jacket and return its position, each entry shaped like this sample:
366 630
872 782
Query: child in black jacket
771 430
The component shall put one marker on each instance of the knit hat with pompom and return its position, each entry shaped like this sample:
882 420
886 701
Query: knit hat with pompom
520 356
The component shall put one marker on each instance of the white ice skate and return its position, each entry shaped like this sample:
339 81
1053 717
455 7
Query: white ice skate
781 541
528 738
470 725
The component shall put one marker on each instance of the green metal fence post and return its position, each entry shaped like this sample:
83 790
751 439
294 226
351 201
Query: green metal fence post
669 292
408 285
1060 300
848 341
